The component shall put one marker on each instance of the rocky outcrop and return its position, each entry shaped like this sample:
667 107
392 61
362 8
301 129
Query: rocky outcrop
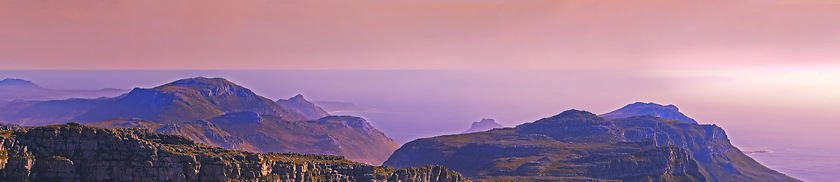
580 146
669 112
483 125
708 144
301 105
74 152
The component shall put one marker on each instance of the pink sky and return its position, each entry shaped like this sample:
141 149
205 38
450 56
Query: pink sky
416 34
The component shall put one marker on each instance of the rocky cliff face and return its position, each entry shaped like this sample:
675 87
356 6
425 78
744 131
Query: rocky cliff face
708 144
577 145
74 152
669 112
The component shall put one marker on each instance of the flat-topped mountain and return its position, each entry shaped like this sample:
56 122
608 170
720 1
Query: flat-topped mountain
187 100
578 145
73 152
670 112
19 89
301 105
483 125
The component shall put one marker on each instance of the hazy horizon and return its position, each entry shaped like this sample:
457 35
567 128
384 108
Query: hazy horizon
417 104
766 71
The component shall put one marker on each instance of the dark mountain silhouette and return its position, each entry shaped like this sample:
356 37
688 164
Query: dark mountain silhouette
188 100
74 152
301 105
578 145
670 112
483 125
18 89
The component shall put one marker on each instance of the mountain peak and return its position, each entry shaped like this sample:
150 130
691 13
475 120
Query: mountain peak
573 113
483 125
298 97
302 106
669 112
651 104
201 82
188 99
14 82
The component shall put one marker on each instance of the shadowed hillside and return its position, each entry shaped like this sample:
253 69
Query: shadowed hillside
578 145
74 152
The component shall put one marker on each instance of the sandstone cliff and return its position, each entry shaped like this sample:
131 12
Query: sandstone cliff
74 152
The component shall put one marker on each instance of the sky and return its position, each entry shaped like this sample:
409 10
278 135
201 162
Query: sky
417 34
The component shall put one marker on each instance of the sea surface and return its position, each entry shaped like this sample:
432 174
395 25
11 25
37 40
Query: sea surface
798 129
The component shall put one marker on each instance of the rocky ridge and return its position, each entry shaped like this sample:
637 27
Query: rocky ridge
74 152
578 145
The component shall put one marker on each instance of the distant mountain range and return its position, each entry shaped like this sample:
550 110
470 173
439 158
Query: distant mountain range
483 125
580 146
217 112
18 89
74 152
669 112
638 142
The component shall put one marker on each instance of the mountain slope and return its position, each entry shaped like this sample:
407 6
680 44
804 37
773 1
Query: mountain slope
186 100
352 137
483 125
19 89
216 112
669 112
73 152
301 105
580 145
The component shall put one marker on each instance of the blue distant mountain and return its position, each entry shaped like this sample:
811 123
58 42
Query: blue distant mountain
669 112
19 89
